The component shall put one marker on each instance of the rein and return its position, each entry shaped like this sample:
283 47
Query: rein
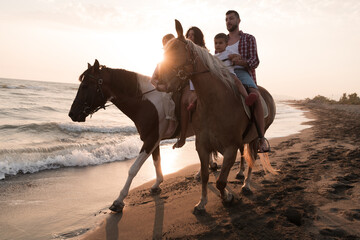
182 73
99 90
140 96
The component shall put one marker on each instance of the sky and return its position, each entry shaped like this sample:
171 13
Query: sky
306 47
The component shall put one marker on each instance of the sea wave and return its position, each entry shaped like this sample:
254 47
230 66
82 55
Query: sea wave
13 164
7 86
68 127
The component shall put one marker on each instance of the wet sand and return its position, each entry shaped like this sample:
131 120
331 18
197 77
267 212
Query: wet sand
316 194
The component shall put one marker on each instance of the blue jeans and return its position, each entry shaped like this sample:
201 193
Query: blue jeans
245 78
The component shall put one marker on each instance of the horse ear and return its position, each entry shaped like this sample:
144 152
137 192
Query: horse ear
179 30
89 66
96 65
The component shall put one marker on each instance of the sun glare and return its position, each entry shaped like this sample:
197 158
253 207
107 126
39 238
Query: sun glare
169 160
137 54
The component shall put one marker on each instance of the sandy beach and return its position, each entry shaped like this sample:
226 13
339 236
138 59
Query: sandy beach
316 194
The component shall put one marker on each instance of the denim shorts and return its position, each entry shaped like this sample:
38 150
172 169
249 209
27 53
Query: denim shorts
245 78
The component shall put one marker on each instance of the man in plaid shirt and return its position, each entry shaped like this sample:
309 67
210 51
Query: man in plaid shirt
245 59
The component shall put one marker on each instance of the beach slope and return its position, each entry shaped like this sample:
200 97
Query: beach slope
316 194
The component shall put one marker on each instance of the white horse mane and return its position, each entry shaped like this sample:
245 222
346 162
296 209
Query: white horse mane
215 66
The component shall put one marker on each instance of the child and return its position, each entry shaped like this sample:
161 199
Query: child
222 54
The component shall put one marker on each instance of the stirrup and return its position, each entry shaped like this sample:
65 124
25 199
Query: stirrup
267 146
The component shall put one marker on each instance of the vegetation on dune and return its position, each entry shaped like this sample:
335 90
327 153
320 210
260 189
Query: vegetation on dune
351 99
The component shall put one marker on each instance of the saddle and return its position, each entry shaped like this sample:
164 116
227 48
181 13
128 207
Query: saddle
176 96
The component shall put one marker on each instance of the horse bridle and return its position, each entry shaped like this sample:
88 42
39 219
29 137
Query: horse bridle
99 82
181 73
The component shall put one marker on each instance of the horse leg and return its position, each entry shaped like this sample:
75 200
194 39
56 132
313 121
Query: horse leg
228 162
251 153
119 204
246 187
240 174
204 160
159 176
212 165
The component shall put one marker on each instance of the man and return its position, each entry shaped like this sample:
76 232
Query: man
245 60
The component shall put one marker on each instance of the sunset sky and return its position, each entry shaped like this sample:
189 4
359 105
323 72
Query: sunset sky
306 47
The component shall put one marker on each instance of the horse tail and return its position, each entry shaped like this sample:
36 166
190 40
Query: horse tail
265 163
250 155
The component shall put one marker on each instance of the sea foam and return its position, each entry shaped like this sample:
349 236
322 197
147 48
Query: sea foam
13 164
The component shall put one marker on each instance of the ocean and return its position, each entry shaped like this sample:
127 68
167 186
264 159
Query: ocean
42 150
36 133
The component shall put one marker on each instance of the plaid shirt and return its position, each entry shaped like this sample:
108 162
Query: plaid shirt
248 52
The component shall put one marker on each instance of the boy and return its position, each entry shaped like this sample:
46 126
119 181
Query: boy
221 42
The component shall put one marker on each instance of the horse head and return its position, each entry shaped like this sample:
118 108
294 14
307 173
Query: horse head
178 64
92 94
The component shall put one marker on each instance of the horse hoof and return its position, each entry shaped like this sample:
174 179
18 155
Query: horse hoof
214 167
155 191
198 211
246 191
228 202
240 176
197 177
117 207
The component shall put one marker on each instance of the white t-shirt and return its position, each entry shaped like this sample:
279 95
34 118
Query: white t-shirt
234 49
223 56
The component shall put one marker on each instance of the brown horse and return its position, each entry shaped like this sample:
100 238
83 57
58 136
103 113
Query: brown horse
220 119
137 98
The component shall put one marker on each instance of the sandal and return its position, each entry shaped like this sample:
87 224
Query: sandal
192 106
262 148
251 99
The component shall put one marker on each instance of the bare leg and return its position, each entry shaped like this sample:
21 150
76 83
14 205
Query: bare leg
249 98
184 117
259 118
171 128
192 100
241 87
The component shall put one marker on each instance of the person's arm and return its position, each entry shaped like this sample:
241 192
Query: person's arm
253 59
237 60
154 79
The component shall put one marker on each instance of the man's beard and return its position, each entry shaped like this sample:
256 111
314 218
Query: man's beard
234 27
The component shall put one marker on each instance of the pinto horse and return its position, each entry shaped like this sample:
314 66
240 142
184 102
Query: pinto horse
220 120
137 98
